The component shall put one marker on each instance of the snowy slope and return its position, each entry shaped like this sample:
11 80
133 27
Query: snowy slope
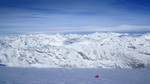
9 75
106 50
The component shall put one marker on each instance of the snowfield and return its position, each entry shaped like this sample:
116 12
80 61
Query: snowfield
97 50
9 75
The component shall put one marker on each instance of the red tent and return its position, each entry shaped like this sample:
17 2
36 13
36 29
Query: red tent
97 76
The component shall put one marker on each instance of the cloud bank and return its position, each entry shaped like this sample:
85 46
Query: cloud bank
121 28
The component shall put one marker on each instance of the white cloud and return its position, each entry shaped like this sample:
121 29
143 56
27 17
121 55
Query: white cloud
131 28
121 28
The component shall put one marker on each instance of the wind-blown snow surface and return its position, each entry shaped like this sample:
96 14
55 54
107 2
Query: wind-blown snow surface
9 75
106 50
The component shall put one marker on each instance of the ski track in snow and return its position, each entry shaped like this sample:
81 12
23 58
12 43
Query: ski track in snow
97 50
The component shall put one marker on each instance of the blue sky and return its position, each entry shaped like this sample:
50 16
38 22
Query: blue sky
61 16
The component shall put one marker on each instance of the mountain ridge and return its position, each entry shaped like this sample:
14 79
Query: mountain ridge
96 50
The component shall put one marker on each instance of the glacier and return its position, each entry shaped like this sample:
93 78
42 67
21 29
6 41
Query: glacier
95 50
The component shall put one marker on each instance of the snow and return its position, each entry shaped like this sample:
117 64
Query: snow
9 75
96 50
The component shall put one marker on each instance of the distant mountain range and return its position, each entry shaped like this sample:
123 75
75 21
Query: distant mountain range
96 50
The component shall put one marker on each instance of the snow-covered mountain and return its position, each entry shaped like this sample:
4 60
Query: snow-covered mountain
106 50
